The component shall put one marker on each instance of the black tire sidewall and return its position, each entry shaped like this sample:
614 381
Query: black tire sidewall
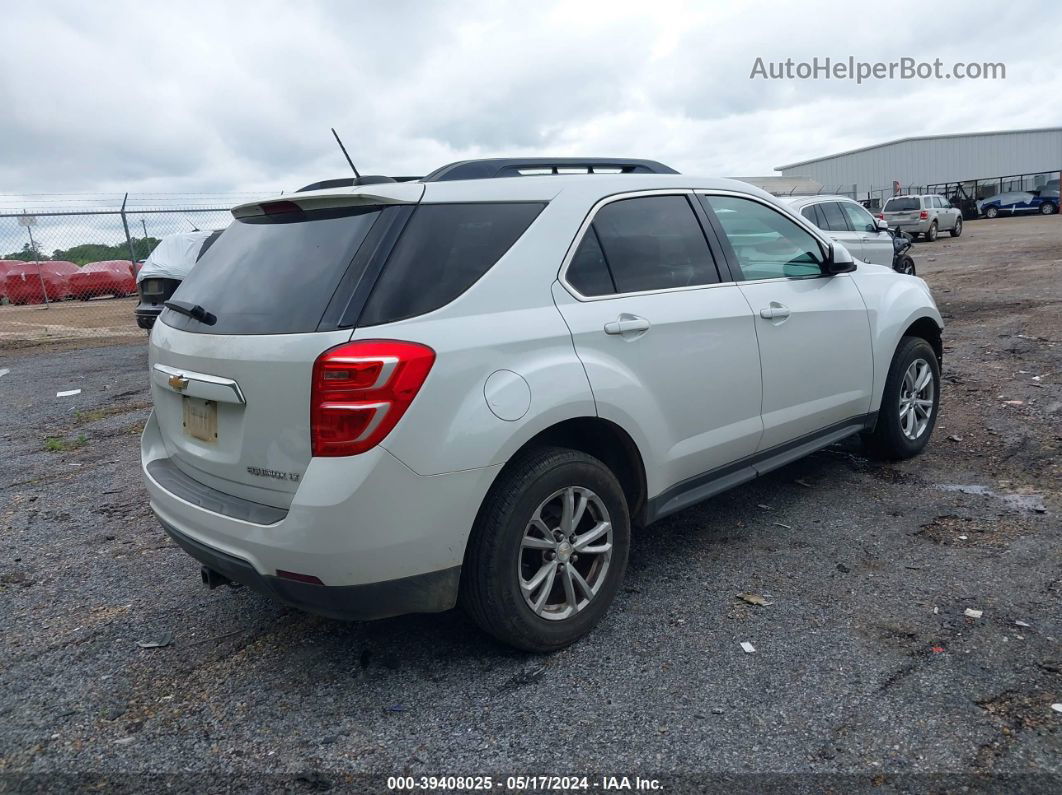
509 618
931 233
890 438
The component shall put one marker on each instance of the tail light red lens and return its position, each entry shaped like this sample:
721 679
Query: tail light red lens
881 216
923 215
361 390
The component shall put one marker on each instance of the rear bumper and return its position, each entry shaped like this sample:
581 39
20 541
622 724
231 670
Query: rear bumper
146 314
382 539
911 227
424 593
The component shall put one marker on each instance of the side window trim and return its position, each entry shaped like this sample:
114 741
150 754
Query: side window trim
731 257
588 224
715 246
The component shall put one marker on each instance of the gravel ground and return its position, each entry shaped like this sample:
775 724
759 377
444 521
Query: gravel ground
866 665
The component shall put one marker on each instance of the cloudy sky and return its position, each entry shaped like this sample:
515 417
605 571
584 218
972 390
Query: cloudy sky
238 96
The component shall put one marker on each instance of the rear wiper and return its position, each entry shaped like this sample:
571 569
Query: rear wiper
194 311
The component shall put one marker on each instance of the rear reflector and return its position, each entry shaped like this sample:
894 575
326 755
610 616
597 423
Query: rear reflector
360 391
292 575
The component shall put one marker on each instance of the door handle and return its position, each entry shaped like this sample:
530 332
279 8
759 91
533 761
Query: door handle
775 311
627 324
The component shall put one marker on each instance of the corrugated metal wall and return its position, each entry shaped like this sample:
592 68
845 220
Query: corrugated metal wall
935 160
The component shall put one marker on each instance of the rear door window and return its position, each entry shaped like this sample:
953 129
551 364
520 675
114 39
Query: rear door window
444 250
834 217
812 214
273 274
654 243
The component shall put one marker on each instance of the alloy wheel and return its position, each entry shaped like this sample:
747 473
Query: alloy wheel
565 553
916 399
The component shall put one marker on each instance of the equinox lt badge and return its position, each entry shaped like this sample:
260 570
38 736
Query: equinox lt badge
272 473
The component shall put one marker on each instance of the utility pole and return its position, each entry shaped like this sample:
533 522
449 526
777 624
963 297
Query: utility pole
28 221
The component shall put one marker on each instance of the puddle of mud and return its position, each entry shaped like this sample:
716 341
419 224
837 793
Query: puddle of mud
1032 503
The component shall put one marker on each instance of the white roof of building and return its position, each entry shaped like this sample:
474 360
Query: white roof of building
916 138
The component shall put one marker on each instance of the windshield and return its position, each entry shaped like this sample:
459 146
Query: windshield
273 274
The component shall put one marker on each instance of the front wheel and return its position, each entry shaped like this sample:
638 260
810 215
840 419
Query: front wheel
548 551
909 403
958 228
906 265
1048 209
991 212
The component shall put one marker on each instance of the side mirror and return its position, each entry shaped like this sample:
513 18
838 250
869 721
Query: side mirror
883 225
838 260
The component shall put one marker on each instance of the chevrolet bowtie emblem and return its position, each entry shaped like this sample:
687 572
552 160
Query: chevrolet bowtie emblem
178 382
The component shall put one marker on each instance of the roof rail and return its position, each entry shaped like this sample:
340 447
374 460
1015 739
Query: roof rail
515 167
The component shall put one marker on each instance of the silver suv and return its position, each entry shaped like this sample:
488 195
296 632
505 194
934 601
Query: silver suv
922 215
398 396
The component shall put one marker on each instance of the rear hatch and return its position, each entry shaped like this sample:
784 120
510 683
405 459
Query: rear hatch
231 385
902 209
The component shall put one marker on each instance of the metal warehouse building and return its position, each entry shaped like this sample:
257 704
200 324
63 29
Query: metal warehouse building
963 166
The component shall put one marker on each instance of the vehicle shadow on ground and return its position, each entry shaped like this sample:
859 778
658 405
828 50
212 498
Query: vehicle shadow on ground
433 645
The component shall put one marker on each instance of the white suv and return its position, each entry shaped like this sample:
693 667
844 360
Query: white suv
393 397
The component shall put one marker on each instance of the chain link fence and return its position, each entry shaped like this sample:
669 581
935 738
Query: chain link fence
69 272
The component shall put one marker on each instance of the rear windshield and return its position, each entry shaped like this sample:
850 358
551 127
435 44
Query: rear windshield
273 274
444 250
905 204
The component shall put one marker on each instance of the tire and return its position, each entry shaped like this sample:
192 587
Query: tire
1047 208
957 230
889 439
992 212
498 566
931 233
907 266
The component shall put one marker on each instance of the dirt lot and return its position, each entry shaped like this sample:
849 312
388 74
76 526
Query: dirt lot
67 321
867 671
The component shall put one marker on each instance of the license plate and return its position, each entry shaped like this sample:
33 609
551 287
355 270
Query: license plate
200 418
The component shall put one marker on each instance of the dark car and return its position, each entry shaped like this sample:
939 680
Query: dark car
165 269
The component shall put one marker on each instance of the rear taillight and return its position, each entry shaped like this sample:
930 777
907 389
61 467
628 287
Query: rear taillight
881 216
924 215
361 390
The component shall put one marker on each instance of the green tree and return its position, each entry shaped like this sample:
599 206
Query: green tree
95 252
26 254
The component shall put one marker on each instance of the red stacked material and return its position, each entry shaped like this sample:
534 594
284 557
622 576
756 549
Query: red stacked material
22 285
109 277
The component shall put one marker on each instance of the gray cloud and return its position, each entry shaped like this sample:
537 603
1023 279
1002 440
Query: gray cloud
198 96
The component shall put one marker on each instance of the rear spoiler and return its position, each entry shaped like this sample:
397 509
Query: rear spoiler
383 193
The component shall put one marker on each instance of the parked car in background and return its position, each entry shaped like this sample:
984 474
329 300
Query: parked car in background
24 284
1043 201
848 222
108 277
391 398
925 215
164 270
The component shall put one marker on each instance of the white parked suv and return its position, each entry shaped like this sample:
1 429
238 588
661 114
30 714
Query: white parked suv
848 222
923 215
395 397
